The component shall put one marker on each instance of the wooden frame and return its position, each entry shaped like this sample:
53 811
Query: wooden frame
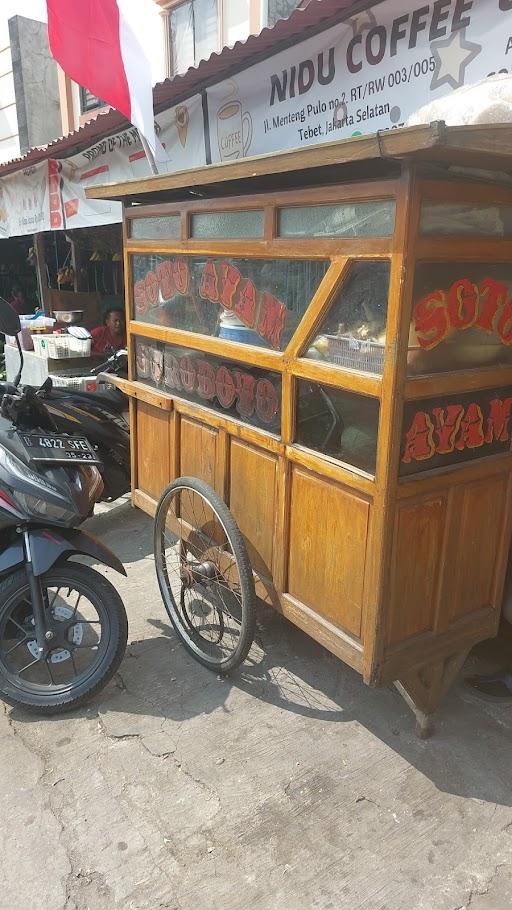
339 550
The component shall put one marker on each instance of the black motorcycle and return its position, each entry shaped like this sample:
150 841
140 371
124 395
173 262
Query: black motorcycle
103 418
63 626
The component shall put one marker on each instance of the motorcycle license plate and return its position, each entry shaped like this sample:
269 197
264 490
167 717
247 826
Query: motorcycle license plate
46 447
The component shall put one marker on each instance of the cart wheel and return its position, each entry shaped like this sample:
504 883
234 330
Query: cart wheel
204 574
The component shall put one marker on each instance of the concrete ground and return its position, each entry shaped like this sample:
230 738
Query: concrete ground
290 785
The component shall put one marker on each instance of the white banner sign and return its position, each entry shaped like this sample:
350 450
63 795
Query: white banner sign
30 201
121 157
369 73
51 195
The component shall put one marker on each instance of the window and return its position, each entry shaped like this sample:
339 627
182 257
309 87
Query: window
451 429
199 27
250 301
340 424
461 317
353 332
353 219
246 393
460 218
193 33
280 9
227 225
88 101
164 228
236 15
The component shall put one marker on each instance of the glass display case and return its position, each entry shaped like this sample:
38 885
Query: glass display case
325 339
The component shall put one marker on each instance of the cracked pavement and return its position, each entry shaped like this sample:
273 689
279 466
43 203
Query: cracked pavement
288 785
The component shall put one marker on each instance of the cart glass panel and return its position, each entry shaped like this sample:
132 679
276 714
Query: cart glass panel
452 429
167 227
247 393
354 219
465 218
462 316
250 301
337 423
353 331
227 225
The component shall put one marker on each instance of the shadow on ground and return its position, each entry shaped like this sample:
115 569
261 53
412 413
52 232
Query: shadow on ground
161 690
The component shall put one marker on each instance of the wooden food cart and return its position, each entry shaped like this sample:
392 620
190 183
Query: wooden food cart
325 337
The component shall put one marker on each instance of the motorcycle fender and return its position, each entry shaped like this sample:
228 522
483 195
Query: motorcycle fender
12 556
47 546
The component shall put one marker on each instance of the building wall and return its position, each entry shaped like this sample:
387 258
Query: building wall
9 132
9 138
35 83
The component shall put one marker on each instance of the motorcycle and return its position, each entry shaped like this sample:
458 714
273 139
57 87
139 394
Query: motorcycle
63 626
103 418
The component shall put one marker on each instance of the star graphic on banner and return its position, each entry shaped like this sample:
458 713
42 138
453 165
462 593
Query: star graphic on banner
452 56
362 23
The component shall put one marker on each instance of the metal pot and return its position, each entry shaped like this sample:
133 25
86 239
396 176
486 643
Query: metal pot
68 317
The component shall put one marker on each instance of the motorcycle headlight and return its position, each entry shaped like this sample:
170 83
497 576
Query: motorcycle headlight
25 484
22 471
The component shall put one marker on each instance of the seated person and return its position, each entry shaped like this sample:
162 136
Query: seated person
112 334
17 300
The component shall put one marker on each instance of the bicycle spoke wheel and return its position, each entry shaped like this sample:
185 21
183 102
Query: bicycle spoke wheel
204 574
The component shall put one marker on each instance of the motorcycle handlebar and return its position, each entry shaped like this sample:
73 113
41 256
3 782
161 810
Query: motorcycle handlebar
17 404
111 362
7 388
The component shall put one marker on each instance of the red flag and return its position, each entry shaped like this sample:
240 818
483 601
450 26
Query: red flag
95 45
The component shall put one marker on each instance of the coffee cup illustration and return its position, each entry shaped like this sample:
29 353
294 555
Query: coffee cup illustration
234 130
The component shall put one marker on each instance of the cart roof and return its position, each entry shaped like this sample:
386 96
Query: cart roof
483 147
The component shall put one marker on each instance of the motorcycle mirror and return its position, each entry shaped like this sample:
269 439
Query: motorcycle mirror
9 320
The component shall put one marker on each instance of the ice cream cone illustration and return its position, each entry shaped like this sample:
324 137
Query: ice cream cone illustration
182 123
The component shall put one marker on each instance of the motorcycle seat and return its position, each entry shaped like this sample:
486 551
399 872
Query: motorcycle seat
114 400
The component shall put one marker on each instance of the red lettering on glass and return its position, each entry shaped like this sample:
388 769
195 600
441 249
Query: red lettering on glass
205 379
225 387
463 300
230 281
187 374
164 274
181 275
498 420
493 293
456 427
245 385
267 404
245 302
152 288
471 434
272 320
505 323
419 439
447 423
431 320
139 293
172 371
465 304
209 289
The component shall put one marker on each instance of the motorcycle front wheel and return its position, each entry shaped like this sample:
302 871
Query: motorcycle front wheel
90 630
